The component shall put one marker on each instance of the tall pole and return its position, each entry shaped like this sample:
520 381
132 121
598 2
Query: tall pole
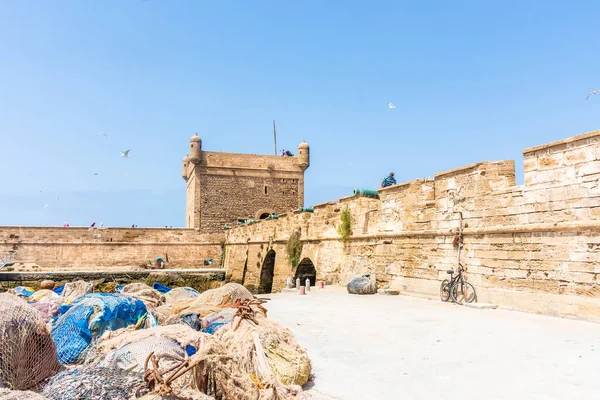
275 136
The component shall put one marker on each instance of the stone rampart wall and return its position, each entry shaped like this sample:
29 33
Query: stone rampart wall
533 247
63 249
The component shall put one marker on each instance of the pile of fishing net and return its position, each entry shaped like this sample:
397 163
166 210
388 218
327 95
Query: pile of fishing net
48 310
75 290
152 298
117 340
226 295
216 345
209 302
362 285
89 317
27 352
176 295
251 357
43 295
287 362
90 382
7 394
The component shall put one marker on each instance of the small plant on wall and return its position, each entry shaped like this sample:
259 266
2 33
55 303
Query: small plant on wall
293 249
345 228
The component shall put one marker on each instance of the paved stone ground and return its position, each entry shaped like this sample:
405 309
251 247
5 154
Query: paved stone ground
399 347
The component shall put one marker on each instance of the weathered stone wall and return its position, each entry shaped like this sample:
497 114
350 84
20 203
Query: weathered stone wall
533 247
244 197
63 249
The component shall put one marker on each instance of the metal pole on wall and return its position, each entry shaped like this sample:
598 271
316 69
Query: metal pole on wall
275 136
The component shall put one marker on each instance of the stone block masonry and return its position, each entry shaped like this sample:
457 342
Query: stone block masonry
533 247
224 188
64 249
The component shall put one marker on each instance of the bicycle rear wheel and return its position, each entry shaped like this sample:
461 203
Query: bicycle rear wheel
463 292
445 290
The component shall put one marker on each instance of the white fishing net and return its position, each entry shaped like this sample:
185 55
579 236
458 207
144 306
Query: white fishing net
7 394
27 351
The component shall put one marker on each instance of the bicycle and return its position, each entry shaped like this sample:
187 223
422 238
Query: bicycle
457 288
460 291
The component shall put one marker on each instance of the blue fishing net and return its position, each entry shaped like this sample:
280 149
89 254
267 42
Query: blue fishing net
90 316
215 321
160 288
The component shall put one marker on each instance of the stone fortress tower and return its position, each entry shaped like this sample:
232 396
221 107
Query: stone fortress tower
224 188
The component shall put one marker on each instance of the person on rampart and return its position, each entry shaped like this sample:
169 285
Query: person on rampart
388 180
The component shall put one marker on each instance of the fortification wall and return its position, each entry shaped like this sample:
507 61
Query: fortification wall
533 247
64 249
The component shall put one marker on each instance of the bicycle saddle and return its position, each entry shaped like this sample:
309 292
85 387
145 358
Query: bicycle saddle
450 271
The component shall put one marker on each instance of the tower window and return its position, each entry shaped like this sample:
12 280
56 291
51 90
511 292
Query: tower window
266 190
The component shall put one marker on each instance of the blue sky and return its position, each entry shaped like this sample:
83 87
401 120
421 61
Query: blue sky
471 80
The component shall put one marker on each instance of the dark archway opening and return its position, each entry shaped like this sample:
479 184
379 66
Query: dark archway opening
306 269
264 216
267 272
244 272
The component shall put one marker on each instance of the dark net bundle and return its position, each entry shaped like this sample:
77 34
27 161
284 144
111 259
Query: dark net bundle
27 351
362 285
95 383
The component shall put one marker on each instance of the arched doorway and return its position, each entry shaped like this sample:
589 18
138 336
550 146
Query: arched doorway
244 272
267 272
306 269
263 213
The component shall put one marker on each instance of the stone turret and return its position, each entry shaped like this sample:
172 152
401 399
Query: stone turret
303 155
184 170
195 149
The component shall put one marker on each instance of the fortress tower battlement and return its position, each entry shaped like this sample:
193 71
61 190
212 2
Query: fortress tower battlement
224 188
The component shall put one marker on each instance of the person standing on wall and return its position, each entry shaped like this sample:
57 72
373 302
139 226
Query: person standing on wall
388 180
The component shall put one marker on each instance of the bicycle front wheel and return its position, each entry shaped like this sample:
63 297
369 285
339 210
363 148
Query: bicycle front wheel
445 290
463 292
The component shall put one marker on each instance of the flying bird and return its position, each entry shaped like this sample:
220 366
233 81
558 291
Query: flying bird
95 173
125 154
102 134
593 92
45 206
390 105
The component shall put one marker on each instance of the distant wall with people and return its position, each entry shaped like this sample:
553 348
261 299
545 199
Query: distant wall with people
75 248
533 247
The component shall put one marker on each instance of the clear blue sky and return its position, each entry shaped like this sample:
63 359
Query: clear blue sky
471 80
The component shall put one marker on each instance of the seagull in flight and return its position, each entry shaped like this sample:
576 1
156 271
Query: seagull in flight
592 93
95 173
102 134
125 154
391 106
45 206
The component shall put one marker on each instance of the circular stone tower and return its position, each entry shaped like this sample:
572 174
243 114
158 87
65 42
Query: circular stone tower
195 149
303 155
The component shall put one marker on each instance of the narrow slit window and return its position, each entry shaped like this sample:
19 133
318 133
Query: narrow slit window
266 190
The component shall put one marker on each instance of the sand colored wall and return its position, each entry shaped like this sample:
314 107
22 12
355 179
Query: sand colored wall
62 249
533 247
